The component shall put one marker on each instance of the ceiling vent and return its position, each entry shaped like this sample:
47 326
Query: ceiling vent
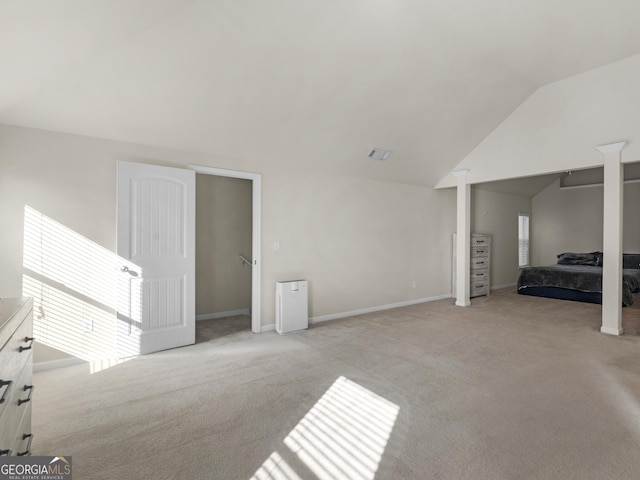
378 154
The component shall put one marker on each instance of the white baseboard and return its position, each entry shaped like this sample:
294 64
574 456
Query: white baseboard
267 328
230 313
352 313
506 285
61 363
611 330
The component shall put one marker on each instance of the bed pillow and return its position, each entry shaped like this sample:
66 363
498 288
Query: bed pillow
594 259
631 260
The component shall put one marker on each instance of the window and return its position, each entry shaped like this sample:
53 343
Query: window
523 239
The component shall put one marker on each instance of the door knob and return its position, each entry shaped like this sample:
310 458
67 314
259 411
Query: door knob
126 269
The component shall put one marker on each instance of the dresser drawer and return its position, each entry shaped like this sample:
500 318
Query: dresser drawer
479 288
12 314
479 262
480 251
17 401
18 392
18 441
477 275
17 351
479 241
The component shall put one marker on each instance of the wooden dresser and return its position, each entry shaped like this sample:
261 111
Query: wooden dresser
480 267
16 367
480 263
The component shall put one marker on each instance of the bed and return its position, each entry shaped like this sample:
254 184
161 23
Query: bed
578 276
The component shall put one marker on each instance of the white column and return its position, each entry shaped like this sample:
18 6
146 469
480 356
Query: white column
612 239
463 239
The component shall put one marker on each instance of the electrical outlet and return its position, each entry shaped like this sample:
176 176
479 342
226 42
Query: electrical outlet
87 325
413 285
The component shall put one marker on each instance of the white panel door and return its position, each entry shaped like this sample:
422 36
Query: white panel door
156 245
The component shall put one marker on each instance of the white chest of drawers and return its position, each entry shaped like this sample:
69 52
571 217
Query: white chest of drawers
480 265
16 367
480 262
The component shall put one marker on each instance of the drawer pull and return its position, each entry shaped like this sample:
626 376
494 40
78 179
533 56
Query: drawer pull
28 450
4 383
28 399
26 339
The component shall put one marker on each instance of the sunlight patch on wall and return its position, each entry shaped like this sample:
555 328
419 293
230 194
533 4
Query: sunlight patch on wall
69 324
344 435
74 284
65 257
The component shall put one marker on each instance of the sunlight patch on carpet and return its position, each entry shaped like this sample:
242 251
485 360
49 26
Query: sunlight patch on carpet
275 468
344 435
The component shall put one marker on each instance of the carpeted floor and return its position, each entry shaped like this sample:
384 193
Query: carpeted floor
514 387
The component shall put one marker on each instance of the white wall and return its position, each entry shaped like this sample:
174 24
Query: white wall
558 127
571 220
360 243
496 214
223 232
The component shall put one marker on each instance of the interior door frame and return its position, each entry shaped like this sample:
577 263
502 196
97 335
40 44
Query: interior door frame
256 236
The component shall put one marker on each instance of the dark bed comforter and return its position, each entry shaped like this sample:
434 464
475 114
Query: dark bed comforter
584 278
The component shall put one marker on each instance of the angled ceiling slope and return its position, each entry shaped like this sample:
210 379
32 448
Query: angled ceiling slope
559 126
313 85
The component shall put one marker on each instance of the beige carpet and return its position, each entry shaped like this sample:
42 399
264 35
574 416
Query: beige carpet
514 387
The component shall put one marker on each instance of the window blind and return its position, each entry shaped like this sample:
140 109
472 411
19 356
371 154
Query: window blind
523 239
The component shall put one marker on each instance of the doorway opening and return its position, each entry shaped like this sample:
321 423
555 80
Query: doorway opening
227 248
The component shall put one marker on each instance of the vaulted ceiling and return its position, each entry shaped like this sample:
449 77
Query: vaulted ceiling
299 83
